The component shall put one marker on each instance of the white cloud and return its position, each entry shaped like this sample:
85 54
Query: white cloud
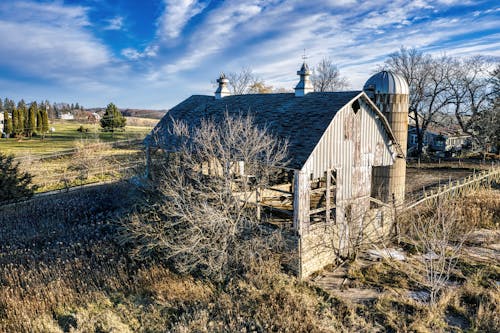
133 54
176 15
217 31
116 23
53 13
49 40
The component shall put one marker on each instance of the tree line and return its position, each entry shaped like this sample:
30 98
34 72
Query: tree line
28 119
24 120
465 88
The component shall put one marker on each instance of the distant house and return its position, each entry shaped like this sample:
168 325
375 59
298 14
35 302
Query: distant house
67 116
93 118
439 139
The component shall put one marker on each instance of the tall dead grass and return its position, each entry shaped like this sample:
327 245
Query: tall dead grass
61 271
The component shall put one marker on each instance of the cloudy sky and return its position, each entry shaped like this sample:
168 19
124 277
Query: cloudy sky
155 53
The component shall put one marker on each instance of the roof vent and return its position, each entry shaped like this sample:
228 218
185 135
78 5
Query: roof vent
222 90
304 86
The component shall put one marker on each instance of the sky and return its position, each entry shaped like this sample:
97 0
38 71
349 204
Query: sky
155 53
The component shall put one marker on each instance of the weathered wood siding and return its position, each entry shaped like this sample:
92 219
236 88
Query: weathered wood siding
352 139
353 144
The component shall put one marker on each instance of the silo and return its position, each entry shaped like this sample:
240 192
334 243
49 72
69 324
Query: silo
390 92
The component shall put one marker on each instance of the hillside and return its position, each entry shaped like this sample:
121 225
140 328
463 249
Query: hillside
139 113
66 273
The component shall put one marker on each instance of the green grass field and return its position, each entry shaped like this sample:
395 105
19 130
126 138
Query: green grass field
66 135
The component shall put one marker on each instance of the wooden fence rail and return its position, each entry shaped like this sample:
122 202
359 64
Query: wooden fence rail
458 187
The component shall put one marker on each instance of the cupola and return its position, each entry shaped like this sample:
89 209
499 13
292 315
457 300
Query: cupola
222 90
305 85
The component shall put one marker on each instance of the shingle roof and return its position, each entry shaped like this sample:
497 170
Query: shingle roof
300 120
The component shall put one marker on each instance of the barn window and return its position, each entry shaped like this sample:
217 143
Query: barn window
355 106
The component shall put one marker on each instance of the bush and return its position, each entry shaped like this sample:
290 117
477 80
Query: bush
14 184
82 129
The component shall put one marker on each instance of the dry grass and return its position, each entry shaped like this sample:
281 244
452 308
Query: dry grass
61 271
471 300
91 161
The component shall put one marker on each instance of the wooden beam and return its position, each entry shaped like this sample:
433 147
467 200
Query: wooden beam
301 201
318 190
257 202
278 190
327 194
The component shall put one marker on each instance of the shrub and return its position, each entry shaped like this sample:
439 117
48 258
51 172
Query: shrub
14 183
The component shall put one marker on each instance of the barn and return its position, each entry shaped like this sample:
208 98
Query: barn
342 151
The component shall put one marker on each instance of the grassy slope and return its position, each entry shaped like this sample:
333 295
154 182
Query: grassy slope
66 134
60 270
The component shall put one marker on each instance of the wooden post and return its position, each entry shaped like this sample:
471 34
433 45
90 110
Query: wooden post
257 202
327 194
301 201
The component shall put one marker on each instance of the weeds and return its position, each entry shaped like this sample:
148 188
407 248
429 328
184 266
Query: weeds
62 271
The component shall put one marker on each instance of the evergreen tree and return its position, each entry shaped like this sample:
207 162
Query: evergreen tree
45 122
77 106
112 118
14 122
19 129
31 120
9 105
39 121
1 105
13 182
21 106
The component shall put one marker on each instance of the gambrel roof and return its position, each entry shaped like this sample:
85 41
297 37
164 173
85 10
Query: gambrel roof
300 120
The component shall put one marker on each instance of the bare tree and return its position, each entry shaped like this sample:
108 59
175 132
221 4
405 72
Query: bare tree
438 236
429 86
471 89
259 87
326 77
89 159
241 82
483 119
205 221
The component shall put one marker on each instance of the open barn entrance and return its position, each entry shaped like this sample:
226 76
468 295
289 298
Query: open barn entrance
323 194
276 202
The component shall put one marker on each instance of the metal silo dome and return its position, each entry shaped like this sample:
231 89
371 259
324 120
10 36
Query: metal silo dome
386 82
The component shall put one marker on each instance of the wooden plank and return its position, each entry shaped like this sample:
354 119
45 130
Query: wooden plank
318 190
279 190
379 202
327 194
301 201
257 201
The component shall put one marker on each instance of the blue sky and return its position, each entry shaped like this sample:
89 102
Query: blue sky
155 53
